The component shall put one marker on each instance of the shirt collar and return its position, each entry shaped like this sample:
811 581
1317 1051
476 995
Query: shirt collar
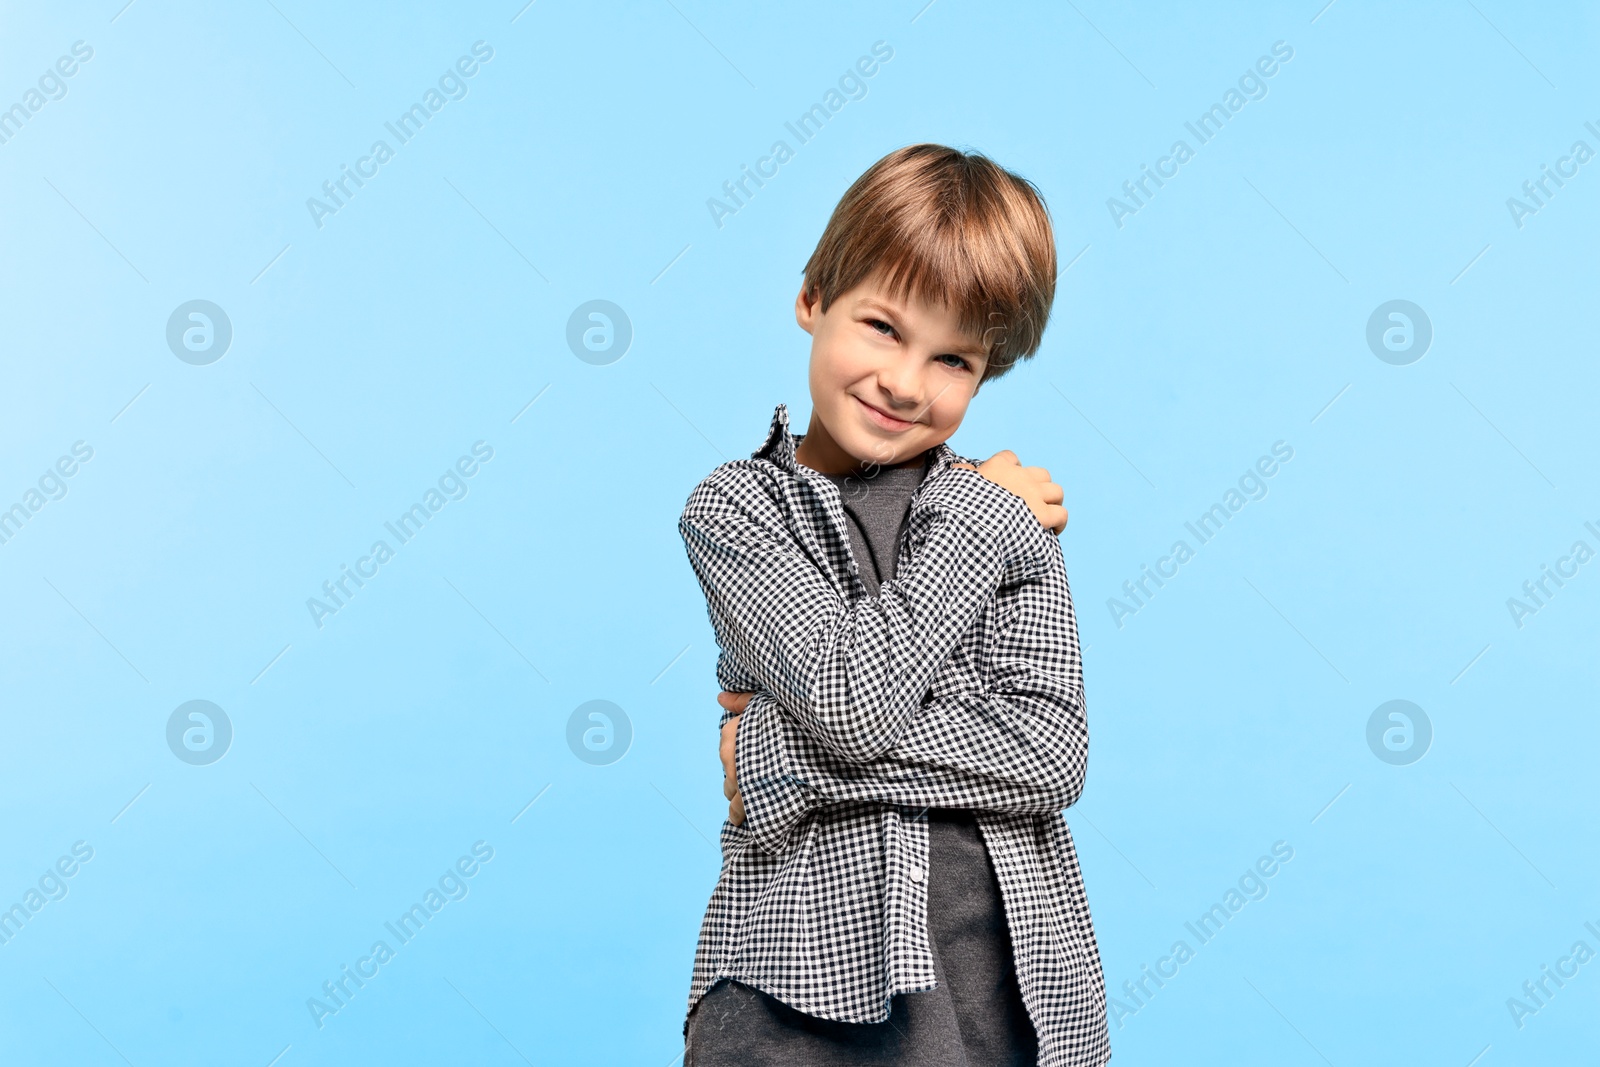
780 445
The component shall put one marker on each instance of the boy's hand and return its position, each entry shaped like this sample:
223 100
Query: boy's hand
1032 484
734 702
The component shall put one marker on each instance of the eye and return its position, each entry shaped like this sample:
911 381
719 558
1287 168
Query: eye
881 327
960 362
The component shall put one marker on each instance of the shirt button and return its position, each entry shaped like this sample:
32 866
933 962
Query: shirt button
918 875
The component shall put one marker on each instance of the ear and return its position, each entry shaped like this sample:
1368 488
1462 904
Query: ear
805 309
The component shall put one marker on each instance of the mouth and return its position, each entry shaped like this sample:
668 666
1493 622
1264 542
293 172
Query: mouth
882 418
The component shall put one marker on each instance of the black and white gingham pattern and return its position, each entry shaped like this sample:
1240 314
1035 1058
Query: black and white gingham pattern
959 686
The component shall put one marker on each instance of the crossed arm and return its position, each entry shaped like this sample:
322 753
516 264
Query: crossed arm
841 709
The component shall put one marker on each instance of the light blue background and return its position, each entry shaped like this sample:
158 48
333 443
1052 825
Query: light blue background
1228 314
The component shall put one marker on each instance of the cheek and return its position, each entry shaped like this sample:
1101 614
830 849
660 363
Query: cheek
951 407
843 360
829 373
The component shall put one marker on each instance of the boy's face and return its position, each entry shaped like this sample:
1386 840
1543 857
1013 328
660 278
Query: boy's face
890 377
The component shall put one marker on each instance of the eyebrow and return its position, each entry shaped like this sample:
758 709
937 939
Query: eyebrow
892 310
973 349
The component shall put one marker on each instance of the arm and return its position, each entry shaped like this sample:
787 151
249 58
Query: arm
1019 745
853 677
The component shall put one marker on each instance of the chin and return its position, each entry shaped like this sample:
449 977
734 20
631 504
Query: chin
885 451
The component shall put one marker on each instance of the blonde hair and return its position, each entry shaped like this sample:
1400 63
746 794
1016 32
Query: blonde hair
951 228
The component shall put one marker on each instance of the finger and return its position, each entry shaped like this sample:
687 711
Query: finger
1053 493
1005 456
728 789
1037 473
1054 517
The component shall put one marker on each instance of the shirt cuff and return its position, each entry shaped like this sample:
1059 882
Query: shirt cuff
775 801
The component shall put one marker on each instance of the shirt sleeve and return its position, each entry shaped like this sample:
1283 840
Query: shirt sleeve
1020 745
853 677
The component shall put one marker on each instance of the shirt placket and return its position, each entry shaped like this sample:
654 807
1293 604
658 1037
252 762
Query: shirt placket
909 950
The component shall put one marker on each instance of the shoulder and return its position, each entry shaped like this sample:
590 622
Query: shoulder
751 486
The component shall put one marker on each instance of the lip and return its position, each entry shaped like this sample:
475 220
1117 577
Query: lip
883 419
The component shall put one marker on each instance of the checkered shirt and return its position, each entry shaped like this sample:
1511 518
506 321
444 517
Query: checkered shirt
958 686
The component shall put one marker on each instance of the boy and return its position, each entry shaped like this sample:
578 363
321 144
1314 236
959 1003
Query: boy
903 715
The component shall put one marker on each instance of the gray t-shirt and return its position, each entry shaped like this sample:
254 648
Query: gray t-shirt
876 509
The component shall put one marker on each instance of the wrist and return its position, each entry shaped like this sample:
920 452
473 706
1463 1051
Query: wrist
774 800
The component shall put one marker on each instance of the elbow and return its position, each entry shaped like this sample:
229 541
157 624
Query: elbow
1065 785
1070 756
1065 788
1071 791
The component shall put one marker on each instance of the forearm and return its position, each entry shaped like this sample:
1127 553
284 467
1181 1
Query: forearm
853 676
1019 754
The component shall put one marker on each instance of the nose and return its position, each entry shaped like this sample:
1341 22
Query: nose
900 387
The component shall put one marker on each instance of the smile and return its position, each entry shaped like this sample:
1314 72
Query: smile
883 419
